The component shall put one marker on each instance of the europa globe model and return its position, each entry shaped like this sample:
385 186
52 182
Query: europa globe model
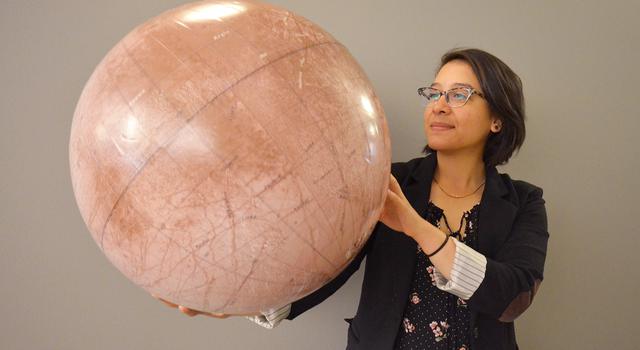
230 157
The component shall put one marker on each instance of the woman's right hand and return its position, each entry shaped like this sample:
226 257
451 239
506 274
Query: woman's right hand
190 312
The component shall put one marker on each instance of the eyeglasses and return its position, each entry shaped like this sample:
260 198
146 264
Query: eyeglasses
456 97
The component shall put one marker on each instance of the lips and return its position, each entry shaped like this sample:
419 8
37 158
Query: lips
441 126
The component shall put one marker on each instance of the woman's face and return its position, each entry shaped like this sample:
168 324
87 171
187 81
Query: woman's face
459 128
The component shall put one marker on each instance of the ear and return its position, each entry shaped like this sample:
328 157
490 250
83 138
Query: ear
496 125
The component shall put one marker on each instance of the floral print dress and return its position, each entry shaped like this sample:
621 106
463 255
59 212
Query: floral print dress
435 319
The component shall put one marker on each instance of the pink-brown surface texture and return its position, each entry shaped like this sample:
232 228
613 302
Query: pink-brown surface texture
229 156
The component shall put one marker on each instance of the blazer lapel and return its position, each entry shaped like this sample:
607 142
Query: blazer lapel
496 214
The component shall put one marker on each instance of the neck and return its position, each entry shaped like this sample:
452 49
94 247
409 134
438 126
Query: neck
459 172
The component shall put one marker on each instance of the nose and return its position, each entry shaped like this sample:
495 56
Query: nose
441 106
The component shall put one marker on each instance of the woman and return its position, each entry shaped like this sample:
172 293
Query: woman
459 251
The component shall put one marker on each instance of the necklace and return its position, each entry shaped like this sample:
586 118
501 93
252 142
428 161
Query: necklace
453 196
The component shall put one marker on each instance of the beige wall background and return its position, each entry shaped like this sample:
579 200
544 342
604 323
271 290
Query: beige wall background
579 63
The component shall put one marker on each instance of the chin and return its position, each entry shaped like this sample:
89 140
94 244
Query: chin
439 146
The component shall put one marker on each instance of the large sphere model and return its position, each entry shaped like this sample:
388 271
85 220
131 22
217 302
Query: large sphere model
229 156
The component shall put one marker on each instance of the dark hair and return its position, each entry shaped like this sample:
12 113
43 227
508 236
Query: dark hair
502 88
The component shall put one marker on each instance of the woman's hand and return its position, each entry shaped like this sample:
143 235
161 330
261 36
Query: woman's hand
398 214
190 312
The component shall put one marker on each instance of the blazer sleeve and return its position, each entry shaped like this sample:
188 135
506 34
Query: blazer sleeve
400 171
513 275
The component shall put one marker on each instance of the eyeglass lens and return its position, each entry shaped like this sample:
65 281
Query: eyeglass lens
455 97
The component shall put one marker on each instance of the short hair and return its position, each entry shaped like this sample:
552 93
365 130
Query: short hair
502 88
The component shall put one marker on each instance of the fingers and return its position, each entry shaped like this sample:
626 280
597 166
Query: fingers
187 311
395 186
190 312
214 315
168 303
393 183
392 197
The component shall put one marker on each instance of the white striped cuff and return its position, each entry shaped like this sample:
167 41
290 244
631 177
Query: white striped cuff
467 272
271 318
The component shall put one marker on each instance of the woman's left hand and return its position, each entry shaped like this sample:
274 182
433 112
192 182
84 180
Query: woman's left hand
398 214
190 312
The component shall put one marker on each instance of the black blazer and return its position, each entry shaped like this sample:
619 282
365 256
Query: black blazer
512 235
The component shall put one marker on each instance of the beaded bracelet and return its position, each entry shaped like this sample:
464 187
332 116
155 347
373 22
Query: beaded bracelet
440 247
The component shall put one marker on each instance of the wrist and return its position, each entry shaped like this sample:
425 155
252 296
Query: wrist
422 228
427 236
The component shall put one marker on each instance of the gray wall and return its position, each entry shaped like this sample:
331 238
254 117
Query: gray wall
578 61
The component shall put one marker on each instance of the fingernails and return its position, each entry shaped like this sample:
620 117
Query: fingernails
185 310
